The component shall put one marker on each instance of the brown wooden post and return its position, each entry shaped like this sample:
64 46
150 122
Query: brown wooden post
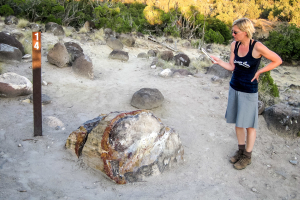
37 82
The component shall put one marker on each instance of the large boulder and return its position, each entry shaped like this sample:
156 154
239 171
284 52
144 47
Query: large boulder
9 53
182 60
74 50
11 20
219 71
166 55
147 98
283 119
127 40
119 55
127 147
54 28
12 41
12 85
114 43
58 55
83 66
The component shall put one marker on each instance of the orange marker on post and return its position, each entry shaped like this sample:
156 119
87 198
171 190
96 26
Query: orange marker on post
37 89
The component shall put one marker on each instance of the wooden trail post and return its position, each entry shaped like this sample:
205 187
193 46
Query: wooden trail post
37 81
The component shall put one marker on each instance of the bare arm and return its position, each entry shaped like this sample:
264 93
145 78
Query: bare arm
267 53
229 66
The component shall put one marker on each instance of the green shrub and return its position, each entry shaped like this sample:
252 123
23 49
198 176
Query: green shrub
267 89
286 42
213 37
6 10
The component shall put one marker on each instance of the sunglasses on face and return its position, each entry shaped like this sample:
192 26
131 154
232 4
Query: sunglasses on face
235 32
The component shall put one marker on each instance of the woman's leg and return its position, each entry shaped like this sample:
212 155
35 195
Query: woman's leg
240 134
251 136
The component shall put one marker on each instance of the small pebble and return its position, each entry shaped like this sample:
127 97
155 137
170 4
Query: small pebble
44 83
26 101
19 145
294 162
254 190
269 166
153 66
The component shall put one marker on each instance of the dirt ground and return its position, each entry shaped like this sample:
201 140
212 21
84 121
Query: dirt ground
41 167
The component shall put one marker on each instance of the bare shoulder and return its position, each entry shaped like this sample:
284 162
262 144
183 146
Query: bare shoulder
260 47
232 46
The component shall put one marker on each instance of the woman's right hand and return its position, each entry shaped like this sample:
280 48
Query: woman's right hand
217 60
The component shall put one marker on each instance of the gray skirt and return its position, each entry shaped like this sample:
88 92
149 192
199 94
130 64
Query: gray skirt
242 109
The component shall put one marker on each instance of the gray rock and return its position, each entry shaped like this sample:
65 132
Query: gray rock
166 55
54 28
140 35
166 73
74 50
12 85
34 27
283 119
219 71
17 35
142 55
119 55
45 99
83 66
11 20
127 147
181 72
182 60
58 55
153 53
114 43
108 32
9 53
186 44
89 25
294 162
10 40
147 98
169 40
127 40
261 107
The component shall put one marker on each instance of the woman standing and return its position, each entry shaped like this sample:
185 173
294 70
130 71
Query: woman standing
242 108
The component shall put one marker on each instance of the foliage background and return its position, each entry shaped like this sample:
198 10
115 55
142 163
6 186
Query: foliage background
209 20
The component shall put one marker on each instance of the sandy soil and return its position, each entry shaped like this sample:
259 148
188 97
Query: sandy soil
41 168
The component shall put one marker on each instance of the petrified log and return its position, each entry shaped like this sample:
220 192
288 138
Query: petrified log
127 147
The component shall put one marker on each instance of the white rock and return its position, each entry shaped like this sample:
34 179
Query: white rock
166 73
19 145
26 101
153 66
44 83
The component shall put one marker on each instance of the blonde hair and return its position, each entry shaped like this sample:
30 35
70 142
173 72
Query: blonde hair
245 25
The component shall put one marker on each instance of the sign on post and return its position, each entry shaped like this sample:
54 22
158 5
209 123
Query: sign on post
37 81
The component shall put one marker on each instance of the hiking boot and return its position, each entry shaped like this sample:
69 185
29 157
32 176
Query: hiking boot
243 162
237 156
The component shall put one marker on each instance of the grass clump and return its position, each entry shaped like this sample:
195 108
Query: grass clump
68 32
267 89
22 23
27 42
83 30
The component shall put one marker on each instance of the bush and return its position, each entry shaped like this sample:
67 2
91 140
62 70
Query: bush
6 10
285 42
267 89
213 37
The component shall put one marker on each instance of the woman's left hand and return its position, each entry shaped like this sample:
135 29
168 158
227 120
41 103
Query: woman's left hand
256 76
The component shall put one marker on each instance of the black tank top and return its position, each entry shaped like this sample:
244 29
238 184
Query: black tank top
244 71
